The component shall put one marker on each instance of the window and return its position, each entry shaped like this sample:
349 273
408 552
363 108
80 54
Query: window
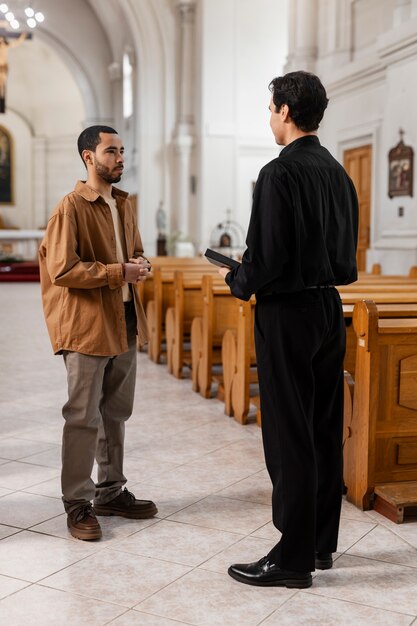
127 86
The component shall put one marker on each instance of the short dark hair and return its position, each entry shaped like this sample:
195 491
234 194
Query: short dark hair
90 138
305 96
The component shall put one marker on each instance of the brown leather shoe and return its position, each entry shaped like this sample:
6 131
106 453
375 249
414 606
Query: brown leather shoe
83 524
126 505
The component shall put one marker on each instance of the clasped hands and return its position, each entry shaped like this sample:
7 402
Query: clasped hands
136 270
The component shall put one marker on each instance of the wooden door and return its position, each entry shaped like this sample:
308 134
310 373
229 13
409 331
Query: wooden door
358 164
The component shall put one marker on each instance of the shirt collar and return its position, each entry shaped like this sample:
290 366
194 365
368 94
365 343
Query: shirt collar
91 195
306 140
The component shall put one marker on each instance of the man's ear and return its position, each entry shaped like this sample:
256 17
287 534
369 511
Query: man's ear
285 112
86 156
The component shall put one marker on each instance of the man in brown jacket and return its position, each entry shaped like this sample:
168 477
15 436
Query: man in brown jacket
90 257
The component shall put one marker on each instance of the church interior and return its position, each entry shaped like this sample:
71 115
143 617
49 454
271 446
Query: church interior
185 83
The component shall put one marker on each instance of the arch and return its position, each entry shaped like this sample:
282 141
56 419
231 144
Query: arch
89 96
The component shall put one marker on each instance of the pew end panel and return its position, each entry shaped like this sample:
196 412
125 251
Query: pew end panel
216 319
188 304
382 447
196 350
229 362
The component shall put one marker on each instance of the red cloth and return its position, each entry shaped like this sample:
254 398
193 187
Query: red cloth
15 272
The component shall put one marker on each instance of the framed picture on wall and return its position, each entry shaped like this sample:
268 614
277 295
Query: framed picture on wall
6 167
400 174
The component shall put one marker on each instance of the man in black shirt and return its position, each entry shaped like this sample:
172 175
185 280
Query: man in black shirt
301 242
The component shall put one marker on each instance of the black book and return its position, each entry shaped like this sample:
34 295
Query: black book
220 259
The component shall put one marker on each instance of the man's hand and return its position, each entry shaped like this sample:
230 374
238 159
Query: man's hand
136 270
224 271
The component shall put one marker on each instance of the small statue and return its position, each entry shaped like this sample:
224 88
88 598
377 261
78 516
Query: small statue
161 219
161 225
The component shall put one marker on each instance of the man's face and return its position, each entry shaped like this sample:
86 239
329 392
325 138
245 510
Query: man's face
276 123
108 159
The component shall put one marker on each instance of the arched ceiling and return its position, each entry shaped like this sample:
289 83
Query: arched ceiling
75 31
39 85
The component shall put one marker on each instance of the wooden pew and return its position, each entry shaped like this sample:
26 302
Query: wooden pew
376 270
171 263
238 357
145 288
163 299
218 316
239 363
188 304
381 447
392 309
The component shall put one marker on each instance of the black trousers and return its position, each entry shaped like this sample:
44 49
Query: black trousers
300 345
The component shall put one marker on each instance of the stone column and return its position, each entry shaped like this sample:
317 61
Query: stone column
402 12
303 35
343 32
115 71
184 132
40 209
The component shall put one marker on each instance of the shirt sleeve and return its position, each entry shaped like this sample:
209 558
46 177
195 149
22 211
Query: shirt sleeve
268 238
65 267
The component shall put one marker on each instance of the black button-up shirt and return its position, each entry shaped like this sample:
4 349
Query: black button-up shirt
303 227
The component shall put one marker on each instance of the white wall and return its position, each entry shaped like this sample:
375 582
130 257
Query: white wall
244 46
43 90
45 114
371 98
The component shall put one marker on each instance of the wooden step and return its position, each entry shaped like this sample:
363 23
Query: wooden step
396 500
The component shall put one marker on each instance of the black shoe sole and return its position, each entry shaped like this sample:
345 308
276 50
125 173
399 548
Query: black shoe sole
324 563
290 583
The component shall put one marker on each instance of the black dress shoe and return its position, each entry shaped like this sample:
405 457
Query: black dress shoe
324 560
265 574
126 505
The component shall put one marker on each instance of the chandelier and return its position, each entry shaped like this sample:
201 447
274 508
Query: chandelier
19 17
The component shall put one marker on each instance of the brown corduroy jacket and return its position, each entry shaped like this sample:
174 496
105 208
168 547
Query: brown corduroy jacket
81 279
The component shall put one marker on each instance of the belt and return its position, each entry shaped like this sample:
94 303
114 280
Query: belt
289 293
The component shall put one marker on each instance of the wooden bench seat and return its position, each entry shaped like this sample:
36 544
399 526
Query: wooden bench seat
167 264
187 305
239 363
163 299
218 316
381 446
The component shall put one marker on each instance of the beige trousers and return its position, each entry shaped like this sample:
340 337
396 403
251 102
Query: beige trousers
100 400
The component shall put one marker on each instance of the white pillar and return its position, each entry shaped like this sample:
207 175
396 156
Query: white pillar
402 12
343 32
292 20
303 35
116 77
184 133
40 210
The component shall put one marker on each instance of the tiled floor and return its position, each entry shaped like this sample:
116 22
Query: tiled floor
206 474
